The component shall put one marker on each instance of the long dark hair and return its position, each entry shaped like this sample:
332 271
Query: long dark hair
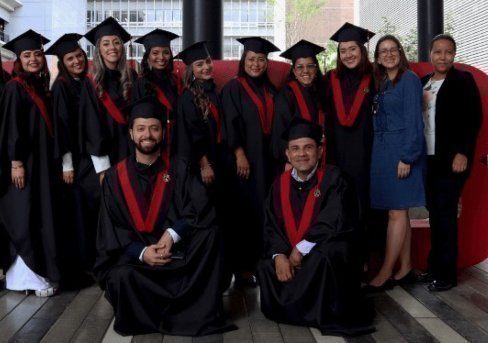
380 71
146 71
364 66
63 72
27 77
200 98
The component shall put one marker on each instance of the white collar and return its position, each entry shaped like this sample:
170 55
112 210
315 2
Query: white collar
294 174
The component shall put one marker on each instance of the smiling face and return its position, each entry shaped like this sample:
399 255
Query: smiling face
159 57
74 62
442 56
303 154
350 54
389 55
111 49
32 61
202 69
305 70
147 135
255 64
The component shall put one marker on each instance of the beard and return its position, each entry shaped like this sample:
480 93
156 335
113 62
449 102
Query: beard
148 150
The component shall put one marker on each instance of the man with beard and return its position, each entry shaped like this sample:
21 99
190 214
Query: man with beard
158 246
311 273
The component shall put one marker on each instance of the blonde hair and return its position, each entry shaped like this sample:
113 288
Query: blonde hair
99 71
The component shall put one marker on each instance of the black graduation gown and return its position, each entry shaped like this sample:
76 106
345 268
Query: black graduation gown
28 215
243 129
349 148
182 297
195 135
325 293
99 133
144 86
286 107
81 200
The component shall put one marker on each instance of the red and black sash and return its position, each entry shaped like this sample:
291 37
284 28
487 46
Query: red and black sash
265 110
344 119
305 113
216 115
295 233
39 103
302 104
140 223
109 105
163 99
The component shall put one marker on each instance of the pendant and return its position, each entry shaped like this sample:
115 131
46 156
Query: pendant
166 178
316 193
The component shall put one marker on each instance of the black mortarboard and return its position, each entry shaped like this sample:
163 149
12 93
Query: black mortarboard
147 107
156 37
65 44
195 52
349 32
108 27
258 45
300 128
302 49
29 40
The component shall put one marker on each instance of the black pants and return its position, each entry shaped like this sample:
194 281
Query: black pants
443 190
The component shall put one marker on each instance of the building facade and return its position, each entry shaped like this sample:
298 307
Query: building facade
465 20
241 18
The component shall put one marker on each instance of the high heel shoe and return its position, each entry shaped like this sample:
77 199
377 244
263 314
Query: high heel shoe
387 285
410 277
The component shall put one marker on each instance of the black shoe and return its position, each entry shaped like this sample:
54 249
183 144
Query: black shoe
410 277
425 277
388 284
245 280
440 286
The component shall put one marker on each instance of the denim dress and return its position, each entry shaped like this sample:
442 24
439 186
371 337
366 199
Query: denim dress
398 136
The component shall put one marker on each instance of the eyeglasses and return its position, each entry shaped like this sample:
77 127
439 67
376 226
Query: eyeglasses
301 67
392 51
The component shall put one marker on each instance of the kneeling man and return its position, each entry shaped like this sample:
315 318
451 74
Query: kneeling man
311 272
158 246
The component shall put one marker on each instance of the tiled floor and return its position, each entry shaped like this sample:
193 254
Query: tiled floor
409 314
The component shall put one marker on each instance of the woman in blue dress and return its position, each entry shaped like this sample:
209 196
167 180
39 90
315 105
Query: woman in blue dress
397 180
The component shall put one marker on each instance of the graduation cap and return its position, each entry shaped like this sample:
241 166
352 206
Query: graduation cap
29 40
195 52
300 128
65 44
156 37
108 27
349 32
301 49
147 107
258 45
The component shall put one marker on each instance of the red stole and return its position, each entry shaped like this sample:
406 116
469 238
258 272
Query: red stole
302 104
305 112
140 223
265 114
294 233
109 105
163 99
39 103
214 111
348 120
